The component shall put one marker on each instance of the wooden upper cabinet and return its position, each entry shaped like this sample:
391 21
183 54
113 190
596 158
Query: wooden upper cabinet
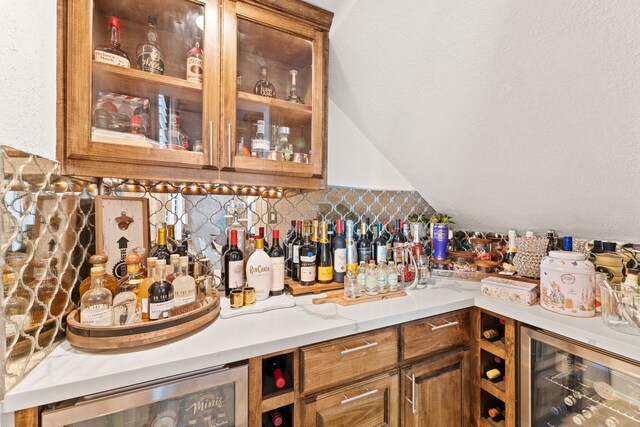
122 120
275 127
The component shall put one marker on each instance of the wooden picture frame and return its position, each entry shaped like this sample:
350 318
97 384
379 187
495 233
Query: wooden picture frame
122 223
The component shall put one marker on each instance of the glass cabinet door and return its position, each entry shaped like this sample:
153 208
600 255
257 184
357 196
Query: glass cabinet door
142 73
571 385
273 93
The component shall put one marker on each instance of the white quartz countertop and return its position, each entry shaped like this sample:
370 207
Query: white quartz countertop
68 373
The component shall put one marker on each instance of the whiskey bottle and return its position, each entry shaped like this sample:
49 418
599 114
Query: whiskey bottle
149 55
184 286
110 52
259 274
108 281
194 64
293 90
95 305
143 292
263 86
160 293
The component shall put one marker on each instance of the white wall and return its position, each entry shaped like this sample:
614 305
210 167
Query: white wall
505 114
28 76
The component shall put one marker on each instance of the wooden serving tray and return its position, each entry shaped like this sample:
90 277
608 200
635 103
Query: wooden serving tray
337 297
296 288
95 338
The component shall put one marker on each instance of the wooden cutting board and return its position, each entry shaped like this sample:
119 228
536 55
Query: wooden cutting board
337 297
296 288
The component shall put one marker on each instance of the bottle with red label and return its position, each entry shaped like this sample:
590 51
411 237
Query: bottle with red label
110 52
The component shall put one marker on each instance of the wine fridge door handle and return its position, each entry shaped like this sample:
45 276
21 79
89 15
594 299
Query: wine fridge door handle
210 142
412 401
360 396
362 347
446 325
229 145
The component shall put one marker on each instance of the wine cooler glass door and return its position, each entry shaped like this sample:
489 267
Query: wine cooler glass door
565 384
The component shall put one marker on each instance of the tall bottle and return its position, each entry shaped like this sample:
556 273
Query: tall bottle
364 244
241 232
95 305
162 252
194 63
276 253
367 223
295 252
149 55
351 250
330 235
511 251
315 234
325 259
288 243
398 240
380 246
160 293
233 265
143 291
110 52
184 286
307 261
258 270
339 249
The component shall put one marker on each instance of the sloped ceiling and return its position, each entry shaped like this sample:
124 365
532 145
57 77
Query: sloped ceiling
504 114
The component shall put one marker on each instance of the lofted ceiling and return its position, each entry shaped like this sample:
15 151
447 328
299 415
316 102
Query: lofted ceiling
503 114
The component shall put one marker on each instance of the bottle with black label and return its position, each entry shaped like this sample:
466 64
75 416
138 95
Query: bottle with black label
307 261
364 244
325 260
149 55
160 293
339 249
380 246
295 252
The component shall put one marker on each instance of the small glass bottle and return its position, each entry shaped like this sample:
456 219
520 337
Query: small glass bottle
263 86
293 90
371 280
160 293
392 277
143 292
110 52
383 275
361 276
95 305
184 286
149 55
125 304
172 270
194 63
108 281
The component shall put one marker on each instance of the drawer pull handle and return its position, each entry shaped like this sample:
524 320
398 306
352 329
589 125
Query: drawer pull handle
446 325
362 347
413 393
360 396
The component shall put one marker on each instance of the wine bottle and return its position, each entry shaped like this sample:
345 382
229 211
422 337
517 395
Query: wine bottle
493 333
398 240
351 250
364 244
287 243
274 369
380 246
295 252
496 413
511 251
307 261
162 252
276 253
233 265
369 233
325 261
275 417
495 372
339 248
258 270
330 235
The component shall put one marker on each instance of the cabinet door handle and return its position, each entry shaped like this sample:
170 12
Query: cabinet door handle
229 144
362 347
446 325
360 396
210 142
414 409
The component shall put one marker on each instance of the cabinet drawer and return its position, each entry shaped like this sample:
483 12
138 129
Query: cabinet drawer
340 361
373 402
433 334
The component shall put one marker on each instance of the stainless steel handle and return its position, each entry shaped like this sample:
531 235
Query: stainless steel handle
210 142
446 325
362 347
360 396
229 144
414 409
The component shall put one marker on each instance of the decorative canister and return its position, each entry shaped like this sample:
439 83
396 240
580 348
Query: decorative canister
567 284
440 238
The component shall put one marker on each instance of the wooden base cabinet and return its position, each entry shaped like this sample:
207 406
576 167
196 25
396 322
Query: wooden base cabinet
369 403
435 392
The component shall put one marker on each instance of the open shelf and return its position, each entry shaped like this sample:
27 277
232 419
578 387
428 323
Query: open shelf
496 348
274 102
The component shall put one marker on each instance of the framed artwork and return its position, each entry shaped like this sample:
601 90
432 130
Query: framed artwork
122 223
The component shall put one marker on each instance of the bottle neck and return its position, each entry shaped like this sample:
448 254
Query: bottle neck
162 237
152 35
114 36
183 270
96 282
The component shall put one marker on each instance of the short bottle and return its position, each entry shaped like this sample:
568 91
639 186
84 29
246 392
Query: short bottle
383 276
95 305
161 297
371 279
258 270
184 286
392 277
276 253
125 304
361 276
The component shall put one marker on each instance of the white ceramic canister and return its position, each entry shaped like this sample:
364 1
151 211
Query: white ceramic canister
567 284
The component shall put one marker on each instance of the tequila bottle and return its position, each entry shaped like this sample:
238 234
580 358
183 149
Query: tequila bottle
293 90
263 86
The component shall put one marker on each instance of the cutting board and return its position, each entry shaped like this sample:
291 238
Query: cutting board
337 297
296 288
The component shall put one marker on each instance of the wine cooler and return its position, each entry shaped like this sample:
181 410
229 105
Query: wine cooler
563 383
204 399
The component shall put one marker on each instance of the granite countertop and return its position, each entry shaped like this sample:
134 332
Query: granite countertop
68 373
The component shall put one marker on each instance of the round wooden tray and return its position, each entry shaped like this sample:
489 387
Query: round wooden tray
94 338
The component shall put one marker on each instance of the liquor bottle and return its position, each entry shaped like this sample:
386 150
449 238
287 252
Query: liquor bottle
263 86
315 234
511 252
172 268
307 261
293 90
361 276
149 55
184 286
162 251
194 63
287 243
110 52
351 250
392 276
295 252
367 222
124 304
134 278
143 292
380 246
274 368
258 270
383 275
551 238
233 265
264 237
339 249
160 297
371 277
108 281
325 260
364 244
95 305
276 253
16 307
